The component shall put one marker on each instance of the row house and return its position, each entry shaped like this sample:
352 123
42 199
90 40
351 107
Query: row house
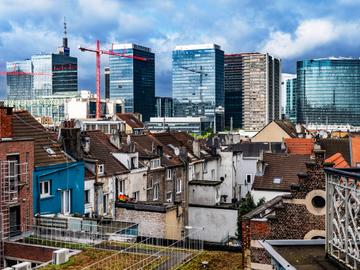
58 181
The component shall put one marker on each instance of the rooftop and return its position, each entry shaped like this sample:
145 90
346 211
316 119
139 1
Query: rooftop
302 146
338 161
130 119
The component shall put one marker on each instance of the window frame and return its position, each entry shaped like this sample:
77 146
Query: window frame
178 186
87 197
156 191
42 189
246 178
169 174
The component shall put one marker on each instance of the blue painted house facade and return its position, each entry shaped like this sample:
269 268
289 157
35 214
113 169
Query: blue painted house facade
59 189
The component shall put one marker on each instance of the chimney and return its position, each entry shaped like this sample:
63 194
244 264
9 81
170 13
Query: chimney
6 129
196 148
71 142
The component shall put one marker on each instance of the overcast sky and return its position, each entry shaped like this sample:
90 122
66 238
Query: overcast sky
289 29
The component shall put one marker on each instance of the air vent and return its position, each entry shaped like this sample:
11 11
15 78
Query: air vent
61 256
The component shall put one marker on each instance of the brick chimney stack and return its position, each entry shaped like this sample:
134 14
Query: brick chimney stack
6 130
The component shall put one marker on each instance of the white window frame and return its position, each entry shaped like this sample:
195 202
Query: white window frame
121 185
64 209
156 191
136 195
213 176
169 196
101 169
42 189
178 186
155 163
169 174
205 166
106 203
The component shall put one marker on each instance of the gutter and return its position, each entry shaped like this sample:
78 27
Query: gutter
276 256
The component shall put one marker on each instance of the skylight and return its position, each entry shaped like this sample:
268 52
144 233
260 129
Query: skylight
277 180
49 150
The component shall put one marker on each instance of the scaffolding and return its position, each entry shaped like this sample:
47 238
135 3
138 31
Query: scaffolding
13 175
342 216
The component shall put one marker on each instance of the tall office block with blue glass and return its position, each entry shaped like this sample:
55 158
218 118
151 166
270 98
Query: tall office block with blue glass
133 80
198 82
329 91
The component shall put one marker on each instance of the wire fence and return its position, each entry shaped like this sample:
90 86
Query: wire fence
118 247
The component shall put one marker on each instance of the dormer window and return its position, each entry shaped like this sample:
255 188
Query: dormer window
277 180
101 169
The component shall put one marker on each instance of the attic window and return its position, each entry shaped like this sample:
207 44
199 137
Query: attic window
49 150
277 180
100 168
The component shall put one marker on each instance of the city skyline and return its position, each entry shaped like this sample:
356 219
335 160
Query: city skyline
301 30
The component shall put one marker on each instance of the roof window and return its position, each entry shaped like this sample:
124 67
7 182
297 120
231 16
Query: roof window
277 180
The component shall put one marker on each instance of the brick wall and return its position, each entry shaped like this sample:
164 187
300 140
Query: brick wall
150 223
25 149
5 122
28 252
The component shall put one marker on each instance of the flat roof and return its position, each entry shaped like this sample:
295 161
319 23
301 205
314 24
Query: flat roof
122 46
178 119
197 47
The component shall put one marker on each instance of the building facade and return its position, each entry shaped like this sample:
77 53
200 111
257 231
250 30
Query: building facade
291 100
19 86
198 82
196 125
233 91
328 91
133 80
261 99
107 82
164 107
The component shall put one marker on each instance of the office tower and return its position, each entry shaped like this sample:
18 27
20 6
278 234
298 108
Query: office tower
107 82
133 80
284 78
198 82
233 90
329 91
164 107
19 79
50 74
291 99
260 89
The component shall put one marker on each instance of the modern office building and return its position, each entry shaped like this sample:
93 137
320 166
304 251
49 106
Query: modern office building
45 74
261 78
233 90
329 91
284 78
196 125
198 82
19 79
164 106
133 80
107 82
291 100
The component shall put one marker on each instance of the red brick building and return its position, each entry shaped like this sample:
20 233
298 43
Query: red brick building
16 168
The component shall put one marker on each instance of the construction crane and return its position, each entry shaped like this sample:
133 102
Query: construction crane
98 52
201 73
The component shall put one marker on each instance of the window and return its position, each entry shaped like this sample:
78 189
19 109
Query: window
105 203
155 163
133 163
87 196
213 174
178 185
150 182
169 197
156 191
13 171
248 179
168 174
101 169
277 180
136 195
318 202
205 166
121 186
66 202
45 189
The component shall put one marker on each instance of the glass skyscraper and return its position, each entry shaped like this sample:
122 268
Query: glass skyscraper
19 86
291 99
164 107
198 82
133 80
329 91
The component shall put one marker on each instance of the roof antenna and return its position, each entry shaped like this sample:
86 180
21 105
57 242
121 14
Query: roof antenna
65 32
65 50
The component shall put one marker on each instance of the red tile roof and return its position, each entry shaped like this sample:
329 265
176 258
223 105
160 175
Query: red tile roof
338 160
301 146
283 166
355 150
130 120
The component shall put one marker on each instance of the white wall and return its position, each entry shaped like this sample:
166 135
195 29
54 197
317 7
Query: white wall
247 165
204 195
90 207
268 195
218 223
137 181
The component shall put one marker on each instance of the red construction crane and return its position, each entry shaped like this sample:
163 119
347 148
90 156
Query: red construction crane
98 52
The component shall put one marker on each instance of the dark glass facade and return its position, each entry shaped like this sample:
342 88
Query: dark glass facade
291 100
133 80
198 82
64 74
164 107
107 82
329 91
233 90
